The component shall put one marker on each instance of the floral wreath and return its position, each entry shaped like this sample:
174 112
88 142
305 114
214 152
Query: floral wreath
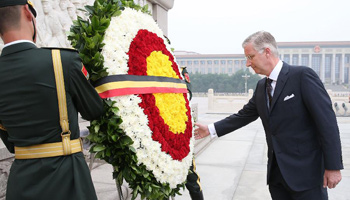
146 133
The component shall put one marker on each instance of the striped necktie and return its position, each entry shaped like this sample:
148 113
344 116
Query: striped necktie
269 90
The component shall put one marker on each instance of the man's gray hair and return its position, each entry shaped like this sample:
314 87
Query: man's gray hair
262 40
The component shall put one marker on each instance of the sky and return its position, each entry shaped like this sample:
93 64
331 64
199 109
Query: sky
220 26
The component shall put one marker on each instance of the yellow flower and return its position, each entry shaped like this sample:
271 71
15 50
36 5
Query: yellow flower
172 107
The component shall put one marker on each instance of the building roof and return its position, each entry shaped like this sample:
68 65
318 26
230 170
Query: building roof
281 45
324 44
193 55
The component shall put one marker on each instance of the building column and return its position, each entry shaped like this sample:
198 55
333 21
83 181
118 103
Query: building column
333 68
310 60
342 68
347 67
323 68
299 59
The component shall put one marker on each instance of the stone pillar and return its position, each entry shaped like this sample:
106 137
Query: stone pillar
194 107
250 93
210 99
160 13
299 60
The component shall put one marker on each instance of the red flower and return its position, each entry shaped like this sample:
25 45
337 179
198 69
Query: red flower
176 145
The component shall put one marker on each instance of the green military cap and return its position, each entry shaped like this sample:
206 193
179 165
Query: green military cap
5 3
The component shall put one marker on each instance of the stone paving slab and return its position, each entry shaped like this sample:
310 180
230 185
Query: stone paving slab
252 186
233 167
216 188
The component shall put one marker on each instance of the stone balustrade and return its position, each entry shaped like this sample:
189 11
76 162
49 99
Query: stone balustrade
232 104
227 104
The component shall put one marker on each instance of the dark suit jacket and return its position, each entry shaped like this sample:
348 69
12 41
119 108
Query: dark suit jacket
301 132
29 112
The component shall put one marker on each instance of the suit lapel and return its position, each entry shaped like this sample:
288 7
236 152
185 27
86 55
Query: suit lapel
281 81
17 48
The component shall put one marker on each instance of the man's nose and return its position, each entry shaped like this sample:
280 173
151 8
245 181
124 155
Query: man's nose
248 63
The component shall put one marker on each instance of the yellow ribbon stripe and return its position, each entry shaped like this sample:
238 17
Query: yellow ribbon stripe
61 91
47 150
138 84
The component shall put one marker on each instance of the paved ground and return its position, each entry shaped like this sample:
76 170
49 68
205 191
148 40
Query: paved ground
233 167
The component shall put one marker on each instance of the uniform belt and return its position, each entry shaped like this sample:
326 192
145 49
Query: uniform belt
49 149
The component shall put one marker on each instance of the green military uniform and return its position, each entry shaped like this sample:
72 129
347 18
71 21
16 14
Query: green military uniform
193 183
29 112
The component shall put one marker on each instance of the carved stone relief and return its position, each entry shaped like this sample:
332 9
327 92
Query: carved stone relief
4 173
55 18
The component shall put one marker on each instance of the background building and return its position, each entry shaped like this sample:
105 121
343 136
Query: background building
330 60
211 63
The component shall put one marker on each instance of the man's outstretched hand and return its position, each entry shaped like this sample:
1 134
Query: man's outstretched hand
201 131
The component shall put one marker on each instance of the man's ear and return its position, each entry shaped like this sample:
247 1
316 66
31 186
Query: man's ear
27 13
267 51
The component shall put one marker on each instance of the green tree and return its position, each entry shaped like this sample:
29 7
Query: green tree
224 83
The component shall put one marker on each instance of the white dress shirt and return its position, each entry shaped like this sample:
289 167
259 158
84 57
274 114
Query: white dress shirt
17 41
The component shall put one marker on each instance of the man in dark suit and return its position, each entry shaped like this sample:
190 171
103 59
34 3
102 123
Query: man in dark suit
304 149
30 118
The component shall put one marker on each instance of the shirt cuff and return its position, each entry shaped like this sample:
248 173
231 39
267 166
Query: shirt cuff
212 131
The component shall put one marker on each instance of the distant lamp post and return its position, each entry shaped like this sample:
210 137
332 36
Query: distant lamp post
246 76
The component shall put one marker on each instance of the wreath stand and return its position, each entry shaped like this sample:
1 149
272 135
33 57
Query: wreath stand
119 187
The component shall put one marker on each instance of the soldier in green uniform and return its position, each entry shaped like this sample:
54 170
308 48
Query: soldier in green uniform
193 184
29 112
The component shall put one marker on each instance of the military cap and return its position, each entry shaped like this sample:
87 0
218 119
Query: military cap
5 3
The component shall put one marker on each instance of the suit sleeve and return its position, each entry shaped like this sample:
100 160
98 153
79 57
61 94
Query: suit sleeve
85 97
319 105
233 122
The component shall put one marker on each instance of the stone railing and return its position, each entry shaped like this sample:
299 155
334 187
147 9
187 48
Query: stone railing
232 104
227 104
340 102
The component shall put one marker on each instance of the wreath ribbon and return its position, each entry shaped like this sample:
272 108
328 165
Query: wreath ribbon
119 85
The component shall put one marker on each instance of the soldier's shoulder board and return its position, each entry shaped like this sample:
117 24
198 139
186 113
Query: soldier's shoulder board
60 48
